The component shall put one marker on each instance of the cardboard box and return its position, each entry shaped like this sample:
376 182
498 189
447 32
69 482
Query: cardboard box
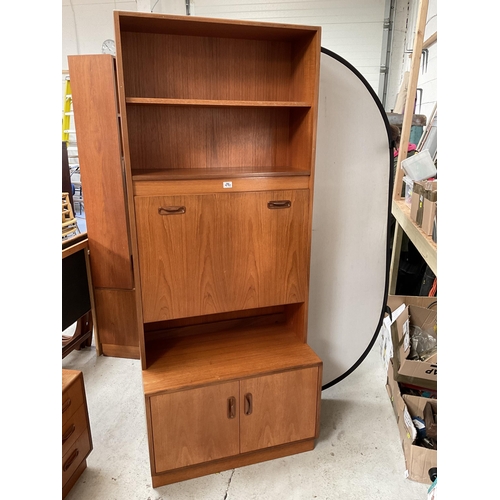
418 459
417 202
429 208
426 319
423 204
422 310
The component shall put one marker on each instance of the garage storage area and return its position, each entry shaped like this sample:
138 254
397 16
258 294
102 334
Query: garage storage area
250 253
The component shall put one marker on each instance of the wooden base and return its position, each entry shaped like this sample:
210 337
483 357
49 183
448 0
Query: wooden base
232 462
74 478
120 351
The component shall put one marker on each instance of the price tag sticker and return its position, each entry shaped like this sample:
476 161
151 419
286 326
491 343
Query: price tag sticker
227 184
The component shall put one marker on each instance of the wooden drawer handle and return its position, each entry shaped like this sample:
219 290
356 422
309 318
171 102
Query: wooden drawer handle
231 407
279 204
171 210
248 403
70 460
68 433
66 405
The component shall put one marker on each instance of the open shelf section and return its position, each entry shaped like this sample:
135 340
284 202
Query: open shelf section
197 360
216 102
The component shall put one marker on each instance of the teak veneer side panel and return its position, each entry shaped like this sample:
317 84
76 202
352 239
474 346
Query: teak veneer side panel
188 137
99 149
198 360
127 169
116 314
227 252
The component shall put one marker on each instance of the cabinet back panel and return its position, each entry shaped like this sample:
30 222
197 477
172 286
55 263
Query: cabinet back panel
182 67
171 137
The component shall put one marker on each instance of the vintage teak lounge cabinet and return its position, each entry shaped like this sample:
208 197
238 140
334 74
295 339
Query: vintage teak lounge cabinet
197 149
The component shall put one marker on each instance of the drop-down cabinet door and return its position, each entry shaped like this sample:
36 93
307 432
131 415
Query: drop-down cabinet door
278 409
195 426
213 253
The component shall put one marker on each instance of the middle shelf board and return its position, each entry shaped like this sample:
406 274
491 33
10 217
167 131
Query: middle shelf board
217 102
214 173
196 360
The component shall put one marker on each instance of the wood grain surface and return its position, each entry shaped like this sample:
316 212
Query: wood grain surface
226 252
198 360
191 427
99 149
283 409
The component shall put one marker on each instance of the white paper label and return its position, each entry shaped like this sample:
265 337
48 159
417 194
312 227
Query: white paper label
227 184
406 335
409 424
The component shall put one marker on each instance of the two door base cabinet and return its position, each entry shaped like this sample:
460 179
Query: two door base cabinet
244 396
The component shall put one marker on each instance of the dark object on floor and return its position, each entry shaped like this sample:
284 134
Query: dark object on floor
430 419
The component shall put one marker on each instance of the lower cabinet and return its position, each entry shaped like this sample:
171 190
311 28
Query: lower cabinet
200 425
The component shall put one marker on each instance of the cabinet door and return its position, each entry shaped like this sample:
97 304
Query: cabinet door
205 254
278 409
194 426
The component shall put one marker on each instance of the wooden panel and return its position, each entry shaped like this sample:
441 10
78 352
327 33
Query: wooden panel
216 102
198 360
99 149
282 410
121 351
75 455
207 185
116 315
191 427
226 252
72 398
205 67
73 428
204 26
203 137
74 478
232 462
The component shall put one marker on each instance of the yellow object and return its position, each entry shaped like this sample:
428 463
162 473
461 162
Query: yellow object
67 111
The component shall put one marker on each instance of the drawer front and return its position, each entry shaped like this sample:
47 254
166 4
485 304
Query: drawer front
74 428
205 254
72 399
75 456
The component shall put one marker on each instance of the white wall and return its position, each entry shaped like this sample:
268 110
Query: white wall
351 28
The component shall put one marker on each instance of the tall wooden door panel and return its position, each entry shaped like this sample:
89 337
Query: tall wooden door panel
93 86
195 426
204 254
278 409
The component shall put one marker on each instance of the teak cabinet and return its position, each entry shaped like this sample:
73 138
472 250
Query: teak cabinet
76 434
212 177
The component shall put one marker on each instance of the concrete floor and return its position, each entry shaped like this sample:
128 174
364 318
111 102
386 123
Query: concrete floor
358 455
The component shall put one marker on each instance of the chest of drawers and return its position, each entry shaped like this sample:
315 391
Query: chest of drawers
76 435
